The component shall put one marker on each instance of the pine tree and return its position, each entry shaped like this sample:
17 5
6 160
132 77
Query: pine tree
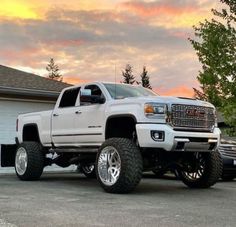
128 75
145 78
53 71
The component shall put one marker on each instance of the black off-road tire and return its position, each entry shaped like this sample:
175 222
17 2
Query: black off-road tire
35 163
212 172
131 165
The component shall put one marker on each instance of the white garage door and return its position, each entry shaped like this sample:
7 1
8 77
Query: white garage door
9 110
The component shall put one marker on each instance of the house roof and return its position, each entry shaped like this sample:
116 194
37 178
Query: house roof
14 81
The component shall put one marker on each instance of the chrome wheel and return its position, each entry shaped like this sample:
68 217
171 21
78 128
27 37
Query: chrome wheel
21 161
109 165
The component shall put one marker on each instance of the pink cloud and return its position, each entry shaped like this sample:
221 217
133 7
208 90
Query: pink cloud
152 10
180 91
65 43
180 34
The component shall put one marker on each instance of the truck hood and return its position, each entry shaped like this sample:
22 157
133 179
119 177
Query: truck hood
167 100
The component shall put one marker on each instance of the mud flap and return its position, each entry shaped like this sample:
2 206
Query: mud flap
8 153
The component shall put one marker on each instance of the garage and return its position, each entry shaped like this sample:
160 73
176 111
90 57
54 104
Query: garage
10 111
22 92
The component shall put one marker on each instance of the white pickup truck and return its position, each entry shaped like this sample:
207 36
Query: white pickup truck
117 131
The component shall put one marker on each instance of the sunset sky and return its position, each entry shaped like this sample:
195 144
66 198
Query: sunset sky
89 39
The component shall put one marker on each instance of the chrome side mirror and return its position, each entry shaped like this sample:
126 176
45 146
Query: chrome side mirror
85 92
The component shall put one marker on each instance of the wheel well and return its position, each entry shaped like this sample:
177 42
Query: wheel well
30 133
122 126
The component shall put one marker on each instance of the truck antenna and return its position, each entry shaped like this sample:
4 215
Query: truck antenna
115 81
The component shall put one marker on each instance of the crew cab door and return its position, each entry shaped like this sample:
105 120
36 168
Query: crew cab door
63 118
89 119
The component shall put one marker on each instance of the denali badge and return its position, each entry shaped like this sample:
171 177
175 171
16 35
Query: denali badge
195 113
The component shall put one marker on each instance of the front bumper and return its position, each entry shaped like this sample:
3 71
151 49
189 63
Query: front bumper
229 165
177 140
228 154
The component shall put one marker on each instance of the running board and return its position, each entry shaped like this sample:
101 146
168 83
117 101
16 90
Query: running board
74 150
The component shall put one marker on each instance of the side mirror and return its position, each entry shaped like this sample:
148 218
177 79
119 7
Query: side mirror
97 99
85 92
85 96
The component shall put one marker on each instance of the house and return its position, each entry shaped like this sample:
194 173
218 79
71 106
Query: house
22 92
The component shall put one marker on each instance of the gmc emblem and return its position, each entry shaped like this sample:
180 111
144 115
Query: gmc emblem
195 113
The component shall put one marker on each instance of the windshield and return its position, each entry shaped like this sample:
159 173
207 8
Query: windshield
121 91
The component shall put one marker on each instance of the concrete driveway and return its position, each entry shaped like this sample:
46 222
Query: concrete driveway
70 199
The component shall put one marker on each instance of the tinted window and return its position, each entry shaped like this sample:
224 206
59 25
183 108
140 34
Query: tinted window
69 97
121 91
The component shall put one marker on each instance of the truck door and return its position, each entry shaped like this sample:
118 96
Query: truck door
89 120
63 118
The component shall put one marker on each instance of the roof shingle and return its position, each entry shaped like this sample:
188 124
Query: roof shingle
13 78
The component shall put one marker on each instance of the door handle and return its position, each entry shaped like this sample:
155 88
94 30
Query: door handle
55 115
78 112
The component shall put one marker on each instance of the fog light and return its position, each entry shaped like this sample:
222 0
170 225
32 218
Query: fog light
158 135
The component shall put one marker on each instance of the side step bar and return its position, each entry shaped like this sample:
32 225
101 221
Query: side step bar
74 150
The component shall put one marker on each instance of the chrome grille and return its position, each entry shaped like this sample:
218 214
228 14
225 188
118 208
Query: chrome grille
228 150
191 117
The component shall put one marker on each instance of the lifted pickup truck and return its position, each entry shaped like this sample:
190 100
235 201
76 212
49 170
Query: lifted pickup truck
117 131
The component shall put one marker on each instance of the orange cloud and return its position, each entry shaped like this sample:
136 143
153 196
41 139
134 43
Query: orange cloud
34 9
17 53
74 80
181 91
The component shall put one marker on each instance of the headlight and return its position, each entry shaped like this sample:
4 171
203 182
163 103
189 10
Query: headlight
152 109
216 118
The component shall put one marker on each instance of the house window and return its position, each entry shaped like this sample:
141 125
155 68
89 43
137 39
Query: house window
69 97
